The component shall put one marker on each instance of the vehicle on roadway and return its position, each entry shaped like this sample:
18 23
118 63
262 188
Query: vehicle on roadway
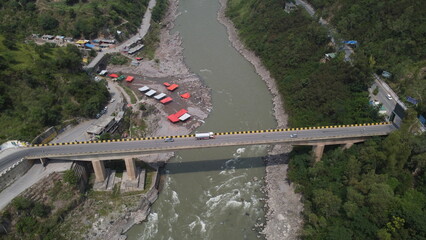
293 135
204 136
389 96
169 140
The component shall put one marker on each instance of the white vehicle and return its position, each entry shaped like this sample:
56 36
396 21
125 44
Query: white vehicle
293 135
204 136
389 96
112 100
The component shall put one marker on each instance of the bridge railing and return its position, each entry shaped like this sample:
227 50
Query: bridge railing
217 134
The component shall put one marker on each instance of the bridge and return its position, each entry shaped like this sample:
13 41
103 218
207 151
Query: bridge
127 149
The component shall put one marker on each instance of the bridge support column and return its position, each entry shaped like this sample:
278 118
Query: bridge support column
130 168
318 151
99 168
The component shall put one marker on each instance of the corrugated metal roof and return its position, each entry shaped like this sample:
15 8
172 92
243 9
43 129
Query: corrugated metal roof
143 89
150 93
160 96
184 117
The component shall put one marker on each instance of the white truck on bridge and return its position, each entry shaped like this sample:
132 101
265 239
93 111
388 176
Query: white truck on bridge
204 136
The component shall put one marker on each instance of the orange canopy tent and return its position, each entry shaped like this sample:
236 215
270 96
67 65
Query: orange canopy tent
186 95
173 118
166 100
129 78
172 87
180 113
113 75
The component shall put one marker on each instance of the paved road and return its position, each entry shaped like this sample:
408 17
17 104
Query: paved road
381 96
141 34
35 174
119 149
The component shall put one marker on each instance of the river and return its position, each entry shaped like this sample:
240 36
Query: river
214 193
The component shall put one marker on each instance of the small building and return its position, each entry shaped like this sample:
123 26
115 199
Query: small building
107 41
330 56
135 49
166 100
82 42
143 89
386 74
69 39
35 35
47 37
130 78
103 126
150 93
172 87
160 96
290 7
184 117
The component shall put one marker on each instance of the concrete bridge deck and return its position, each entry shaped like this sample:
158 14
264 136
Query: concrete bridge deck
117 149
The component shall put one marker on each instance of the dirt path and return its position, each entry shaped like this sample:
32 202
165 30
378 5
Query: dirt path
283 218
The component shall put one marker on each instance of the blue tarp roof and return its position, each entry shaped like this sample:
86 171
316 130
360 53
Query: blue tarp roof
89 45
350 42
412 100
422 119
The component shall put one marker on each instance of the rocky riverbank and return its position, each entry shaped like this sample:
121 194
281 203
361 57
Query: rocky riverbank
283 218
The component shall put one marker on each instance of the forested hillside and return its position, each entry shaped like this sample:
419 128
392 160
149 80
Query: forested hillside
86 18
41 85
390 33
375 190
291 46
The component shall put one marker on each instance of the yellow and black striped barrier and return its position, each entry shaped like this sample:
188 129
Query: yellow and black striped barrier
218 134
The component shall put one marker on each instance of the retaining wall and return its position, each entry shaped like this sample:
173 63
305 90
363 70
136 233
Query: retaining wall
12 173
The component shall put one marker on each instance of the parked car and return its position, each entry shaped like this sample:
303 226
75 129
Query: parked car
98 115
112 100
293 135
169 140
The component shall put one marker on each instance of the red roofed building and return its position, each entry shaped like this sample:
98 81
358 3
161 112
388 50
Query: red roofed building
185 95
130 79
166 100
166 84
113 75
172 87
173 118
180 113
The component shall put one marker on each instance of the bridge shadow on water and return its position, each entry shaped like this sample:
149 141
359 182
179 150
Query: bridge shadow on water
177 166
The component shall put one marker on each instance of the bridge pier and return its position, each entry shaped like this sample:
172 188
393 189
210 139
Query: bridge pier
130 168
99 168
318 151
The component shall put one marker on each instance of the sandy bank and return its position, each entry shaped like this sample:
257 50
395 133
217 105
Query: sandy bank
283 218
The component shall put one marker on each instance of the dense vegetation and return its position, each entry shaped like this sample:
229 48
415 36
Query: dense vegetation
87 18
29 219
390 33
42 85
291 46
375 190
